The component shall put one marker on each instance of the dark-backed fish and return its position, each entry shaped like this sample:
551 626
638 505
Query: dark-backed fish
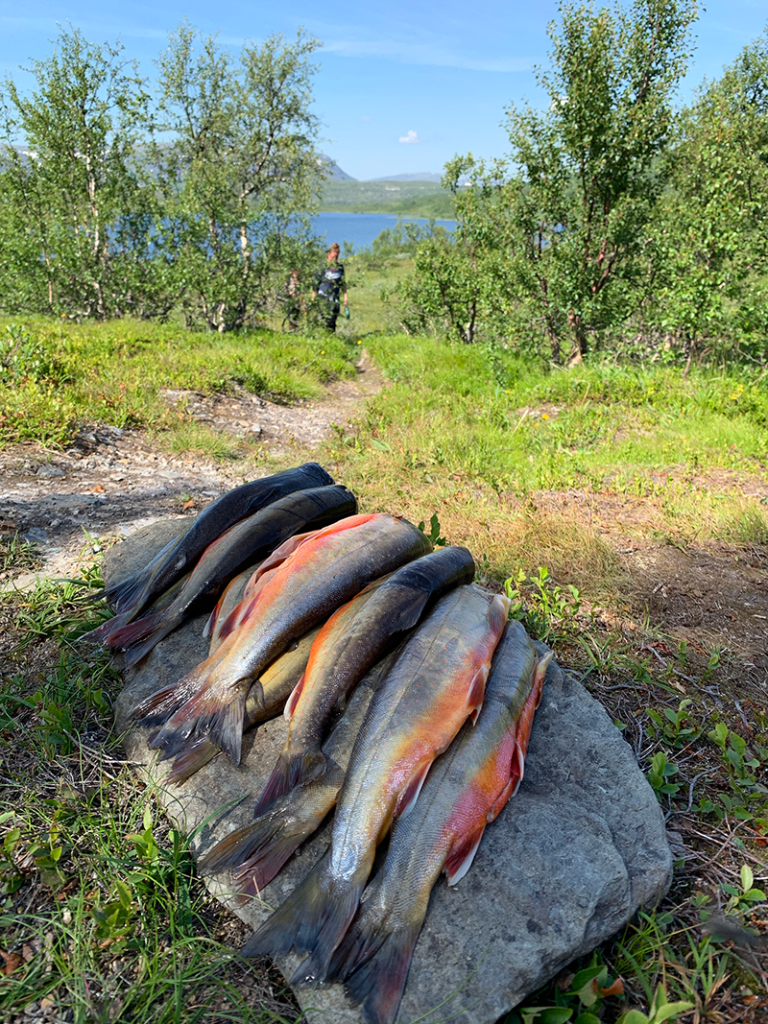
247 543
130 596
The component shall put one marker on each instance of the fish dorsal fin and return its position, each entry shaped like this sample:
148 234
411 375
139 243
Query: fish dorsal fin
410 794
459 860
293 700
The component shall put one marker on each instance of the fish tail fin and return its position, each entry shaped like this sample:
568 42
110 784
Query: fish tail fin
291 771
256 853
132 632
373 962
104 632
123 595
215 712
313 918
190 760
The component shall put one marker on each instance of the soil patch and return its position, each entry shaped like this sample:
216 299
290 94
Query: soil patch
111 482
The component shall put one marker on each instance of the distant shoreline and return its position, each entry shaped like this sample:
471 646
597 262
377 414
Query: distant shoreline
401 198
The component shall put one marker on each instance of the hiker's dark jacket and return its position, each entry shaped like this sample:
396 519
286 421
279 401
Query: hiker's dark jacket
329 283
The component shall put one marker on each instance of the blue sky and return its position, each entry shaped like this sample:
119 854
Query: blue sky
401 87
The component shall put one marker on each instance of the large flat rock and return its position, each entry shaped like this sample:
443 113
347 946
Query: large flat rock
571 858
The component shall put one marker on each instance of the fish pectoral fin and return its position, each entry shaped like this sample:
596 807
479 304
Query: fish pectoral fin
540 672
410 794
498 610
509 790
459 860
210 623
476 691
293 700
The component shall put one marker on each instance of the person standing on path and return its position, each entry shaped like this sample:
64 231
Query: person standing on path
329 281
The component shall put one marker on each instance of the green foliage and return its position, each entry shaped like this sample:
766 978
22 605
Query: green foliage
553 243
461 282
547 610
434 531
710 247
239 171
660 1010
589 173
579 1003
741 899
660 773
119 203
675 727
75 216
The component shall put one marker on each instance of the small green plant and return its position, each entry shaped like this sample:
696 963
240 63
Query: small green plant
579 1003
748 796
660 775
659 1012
22 357
17 555
673 726
434 531
11 878
743 899
547 610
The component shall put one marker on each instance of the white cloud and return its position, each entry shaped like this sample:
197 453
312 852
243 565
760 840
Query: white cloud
410 136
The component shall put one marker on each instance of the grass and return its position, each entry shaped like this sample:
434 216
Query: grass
487 437
58 376
587 490
101 915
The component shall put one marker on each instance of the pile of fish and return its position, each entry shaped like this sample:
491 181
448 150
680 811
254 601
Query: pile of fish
409 695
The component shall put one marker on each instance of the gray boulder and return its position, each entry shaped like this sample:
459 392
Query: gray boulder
573 856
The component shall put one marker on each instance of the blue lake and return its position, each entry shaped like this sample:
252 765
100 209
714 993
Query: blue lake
361 228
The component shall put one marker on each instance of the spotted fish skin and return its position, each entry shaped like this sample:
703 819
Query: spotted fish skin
466 790
436 684
324 572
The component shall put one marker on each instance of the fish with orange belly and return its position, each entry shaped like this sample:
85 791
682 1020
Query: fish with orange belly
467 789
436 684
324 571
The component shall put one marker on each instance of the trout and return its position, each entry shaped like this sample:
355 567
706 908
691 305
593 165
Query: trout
248 542
132 595
324 572
437 683
466 790
257 852
229 600
275 683
352 640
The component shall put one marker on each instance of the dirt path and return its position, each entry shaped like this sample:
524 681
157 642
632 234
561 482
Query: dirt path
112 481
